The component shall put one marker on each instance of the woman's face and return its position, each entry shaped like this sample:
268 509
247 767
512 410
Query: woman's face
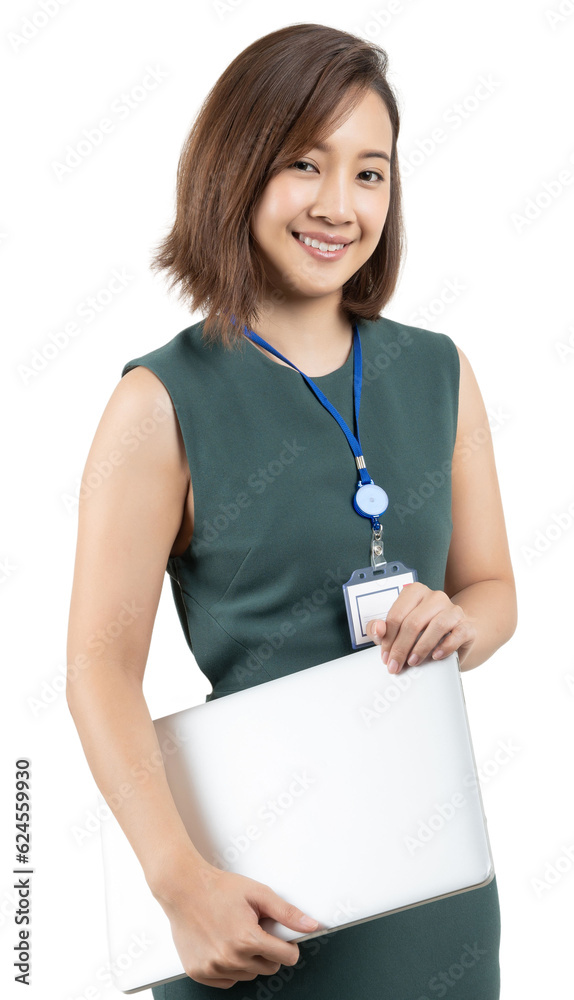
340 191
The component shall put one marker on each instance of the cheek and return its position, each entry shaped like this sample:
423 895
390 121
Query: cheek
373 214
372 226
279 205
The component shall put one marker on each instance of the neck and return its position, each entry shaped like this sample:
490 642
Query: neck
318 344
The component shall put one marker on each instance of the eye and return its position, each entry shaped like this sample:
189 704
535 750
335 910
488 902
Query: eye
374 173
304 163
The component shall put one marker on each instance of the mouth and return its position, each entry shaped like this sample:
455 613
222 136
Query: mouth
316 251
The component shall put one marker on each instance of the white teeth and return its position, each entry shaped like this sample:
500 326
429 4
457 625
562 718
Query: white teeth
321 246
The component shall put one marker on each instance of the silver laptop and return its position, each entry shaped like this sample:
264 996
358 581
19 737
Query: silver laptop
351 791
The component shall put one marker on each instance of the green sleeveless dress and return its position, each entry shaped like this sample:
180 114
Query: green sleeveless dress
258 590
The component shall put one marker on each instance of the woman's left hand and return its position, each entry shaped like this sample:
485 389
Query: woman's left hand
421 621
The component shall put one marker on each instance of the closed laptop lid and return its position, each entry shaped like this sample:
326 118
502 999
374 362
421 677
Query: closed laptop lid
351 792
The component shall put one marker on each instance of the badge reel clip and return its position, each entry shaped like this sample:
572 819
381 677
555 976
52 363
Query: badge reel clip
370 592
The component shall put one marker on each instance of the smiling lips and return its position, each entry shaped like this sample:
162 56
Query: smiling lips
320 249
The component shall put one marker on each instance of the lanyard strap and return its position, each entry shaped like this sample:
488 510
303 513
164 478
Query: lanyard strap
354 442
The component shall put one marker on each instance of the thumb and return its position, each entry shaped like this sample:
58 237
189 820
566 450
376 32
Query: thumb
273 905
376 629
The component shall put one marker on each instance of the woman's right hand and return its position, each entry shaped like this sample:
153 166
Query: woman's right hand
214 917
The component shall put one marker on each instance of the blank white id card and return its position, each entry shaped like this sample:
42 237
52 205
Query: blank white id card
370 593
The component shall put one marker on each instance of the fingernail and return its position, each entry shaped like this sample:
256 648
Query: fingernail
413 658
437 655
385 656
375 635
309 923
394 667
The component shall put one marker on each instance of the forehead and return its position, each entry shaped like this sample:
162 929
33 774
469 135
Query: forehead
368 122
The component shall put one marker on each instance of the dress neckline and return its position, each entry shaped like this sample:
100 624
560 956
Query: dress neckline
344 369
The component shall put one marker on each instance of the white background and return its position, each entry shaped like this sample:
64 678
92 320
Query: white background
489 210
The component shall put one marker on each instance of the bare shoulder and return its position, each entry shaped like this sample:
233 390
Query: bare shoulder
132 505
140 422
479 545
471 409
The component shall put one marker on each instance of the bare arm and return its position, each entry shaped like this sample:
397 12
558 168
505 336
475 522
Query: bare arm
479 576
126 530
476 613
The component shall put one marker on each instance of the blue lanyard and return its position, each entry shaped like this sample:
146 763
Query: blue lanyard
373 501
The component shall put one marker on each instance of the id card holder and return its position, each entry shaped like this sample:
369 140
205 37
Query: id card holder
370 593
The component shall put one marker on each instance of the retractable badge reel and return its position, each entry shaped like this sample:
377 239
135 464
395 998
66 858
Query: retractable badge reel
370 592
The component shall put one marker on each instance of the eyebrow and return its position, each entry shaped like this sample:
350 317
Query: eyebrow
325 147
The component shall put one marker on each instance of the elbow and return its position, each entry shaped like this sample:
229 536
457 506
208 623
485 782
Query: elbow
75 675
71 691
513 610
508 613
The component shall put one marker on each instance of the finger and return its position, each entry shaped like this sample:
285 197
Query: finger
223 984
411 650
270 948
256 965
438 637
269 903
462 634
410 597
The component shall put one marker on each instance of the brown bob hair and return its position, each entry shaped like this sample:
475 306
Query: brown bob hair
274 102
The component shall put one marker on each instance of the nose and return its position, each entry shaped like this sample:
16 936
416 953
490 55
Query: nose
334 198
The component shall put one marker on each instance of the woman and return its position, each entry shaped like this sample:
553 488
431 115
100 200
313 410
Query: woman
241 483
